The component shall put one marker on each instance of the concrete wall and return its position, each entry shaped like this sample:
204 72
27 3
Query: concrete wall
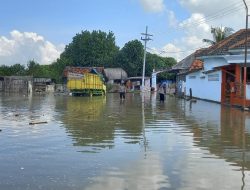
61 88
208 86
205 86
16 84
248 92
50 88
210 63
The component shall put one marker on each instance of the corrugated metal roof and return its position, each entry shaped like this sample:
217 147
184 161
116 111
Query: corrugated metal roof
115 73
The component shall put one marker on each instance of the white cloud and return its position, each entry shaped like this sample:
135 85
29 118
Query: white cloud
171 50
173 22
138 175
203 16
208 7
196 24
180 48
24 46
230 13
153 5
190 41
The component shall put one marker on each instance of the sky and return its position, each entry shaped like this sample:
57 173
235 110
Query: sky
39 30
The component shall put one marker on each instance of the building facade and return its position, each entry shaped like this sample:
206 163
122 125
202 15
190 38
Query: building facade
224 76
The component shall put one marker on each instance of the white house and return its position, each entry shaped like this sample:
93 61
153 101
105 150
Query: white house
222 77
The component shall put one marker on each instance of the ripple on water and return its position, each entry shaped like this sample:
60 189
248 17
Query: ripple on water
92 143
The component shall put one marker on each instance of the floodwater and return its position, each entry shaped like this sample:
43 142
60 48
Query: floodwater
139 144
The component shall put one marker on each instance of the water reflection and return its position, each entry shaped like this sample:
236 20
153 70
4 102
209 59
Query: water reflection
20 110
138 143
139 175
94 122
222 131
83 119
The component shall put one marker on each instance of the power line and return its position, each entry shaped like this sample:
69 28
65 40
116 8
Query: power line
230 9
212 18
219 13
181 51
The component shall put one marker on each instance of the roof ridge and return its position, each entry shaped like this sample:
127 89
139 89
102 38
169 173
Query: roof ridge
232 41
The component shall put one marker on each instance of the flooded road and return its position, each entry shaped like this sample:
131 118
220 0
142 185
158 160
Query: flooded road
102 143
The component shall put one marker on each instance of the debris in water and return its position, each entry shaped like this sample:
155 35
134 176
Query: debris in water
37 122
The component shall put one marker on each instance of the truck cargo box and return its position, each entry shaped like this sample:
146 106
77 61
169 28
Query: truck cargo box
85 84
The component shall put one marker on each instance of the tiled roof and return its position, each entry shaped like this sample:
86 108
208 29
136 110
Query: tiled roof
188 61
185 63
233 42
81 70
197 64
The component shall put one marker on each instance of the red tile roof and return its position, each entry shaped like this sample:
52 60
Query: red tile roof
197 64
81 70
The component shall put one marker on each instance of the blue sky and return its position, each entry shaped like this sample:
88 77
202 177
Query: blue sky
40 29
59 20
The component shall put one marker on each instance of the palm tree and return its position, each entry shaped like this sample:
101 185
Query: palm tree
219 34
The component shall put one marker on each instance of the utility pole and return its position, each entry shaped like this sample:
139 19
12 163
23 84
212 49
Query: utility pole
146 38
245 64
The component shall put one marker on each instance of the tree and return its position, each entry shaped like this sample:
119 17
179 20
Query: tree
36 70
57 68
33 68
5 70
159 63
17 69
219 34
130 58
95 48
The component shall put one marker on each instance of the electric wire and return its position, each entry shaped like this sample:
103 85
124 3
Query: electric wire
181 51
228 10
219 14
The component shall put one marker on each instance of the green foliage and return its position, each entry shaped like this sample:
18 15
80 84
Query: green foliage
33 69
17 69
57 69
130 58
5 70
219 34
95 49
159 63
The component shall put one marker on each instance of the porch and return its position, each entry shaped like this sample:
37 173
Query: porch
235 96
232 86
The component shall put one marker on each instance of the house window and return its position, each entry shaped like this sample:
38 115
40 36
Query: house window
213 77
192 77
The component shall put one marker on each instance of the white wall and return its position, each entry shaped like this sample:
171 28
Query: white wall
206 87
50 88
210 63
248 92
153 79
